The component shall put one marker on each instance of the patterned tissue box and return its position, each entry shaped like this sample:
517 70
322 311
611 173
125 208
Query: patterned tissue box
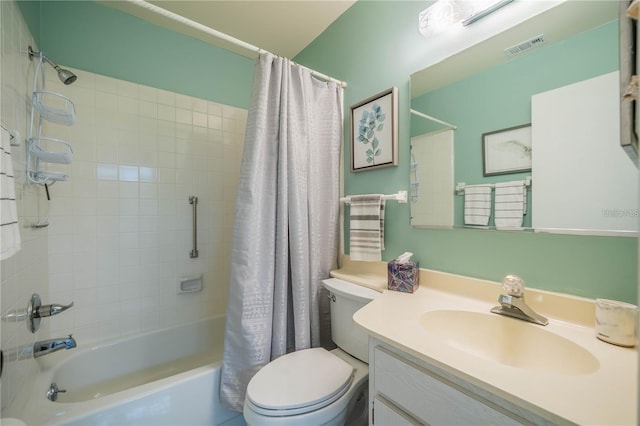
403 277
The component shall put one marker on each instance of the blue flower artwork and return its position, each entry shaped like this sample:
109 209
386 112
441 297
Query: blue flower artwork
374 132
370 124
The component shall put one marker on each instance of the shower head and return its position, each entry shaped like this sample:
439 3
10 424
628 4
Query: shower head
65 76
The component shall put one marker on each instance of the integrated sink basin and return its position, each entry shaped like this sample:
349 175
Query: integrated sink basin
509 341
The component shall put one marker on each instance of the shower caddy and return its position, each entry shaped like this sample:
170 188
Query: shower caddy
54 108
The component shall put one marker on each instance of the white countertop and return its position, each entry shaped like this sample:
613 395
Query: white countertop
606 397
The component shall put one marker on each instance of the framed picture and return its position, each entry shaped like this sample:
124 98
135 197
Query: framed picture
374 132
507 151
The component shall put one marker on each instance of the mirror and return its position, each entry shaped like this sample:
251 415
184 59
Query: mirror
471 110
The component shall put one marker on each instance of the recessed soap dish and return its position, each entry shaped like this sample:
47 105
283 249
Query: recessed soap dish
190 284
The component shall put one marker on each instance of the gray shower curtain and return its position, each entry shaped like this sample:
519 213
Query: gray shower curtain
285 238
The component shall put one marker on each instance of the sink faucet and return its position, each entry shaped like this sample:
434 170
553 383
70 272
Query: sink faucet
45 347
513 305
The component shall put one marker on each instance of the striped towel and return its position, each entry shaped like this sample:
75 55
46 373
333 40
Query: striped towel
510 204
477 204
9 228
366 227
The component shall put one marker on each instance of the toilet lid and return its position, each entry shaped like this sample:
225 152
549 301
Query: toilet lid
305 378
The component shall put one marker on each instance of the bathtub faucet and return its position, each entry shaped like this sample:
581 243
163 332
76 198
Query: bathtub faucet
45 347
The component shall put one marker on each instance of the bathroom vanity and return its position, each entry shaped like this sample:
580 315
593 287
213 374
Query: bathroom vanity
438 356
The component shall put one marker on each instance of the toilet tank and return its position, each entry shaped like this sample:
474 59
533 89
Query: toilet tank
346 299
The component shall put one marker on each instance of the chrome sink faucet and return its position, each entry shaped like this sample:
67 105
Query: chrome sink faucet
513 305
45 347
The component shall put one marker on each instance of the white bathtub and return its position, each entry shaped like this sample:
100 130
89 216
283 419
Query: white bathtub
168 377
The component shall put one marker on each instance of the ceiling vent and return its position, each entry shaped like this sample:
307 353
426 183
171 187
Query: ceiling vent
524 46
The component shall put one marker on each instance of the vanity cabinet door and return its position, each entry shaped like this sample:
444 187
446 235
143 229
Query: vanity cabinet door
427 397
386 413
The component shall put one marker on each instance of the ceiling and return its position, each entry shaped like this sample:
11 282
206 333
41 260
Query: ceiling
283 27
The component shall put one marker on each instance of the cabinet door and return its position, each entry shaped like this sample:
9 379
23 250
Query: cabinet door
385 413
429 398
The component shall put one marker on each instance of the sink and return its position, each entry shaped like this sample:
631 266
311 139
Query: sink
509 341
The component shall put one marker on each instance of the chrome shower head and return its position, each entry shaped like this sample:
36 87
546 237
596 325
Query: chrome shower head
65 76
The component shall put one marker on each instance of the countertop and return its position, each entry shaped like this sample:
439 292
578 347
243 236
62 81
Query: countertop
607 396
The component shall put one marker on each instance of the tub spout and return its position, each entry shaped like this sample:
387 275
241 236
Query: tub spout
45 347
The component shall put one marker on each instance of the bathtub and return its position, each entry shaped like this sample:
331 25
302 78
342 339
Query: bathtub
166 377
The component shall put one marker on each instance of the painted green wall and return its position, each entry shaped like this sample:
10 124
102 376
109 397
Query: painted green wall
30 11
376 45
92 37
501 98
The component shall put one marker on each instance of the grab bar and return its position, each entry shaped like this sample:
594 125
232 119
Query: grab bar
193 200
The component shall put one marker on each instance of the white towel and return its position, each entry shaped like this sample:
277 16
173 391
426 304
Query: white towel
9 228
477 204
510 204
366 224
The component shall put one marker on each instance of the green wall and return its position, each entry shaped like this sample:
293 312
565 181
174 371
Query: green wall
92 37
376 45
501 98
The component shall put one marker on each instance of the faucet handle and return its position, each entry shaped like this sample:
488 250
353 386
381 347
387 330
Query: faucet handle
50 310
513 285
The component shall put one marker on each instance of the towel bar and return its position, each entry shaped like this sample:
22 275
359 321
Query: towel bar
400 196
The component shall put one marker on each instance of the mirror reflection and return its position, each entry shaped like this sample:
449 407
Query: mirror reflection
470 117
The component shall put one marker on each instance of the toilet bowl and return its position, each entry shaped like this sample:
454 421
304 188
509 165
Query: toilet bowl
315 386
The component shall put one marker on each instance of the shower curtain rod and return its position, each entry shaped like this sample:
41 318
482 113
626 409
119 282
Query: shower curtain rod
428 117
200 27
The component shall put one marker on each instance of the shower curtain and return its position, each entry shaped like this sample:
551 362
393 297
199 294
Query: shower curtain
285 238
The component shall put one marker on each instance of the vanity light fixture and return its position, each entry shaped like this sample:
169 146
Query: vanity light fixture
444 14
488 8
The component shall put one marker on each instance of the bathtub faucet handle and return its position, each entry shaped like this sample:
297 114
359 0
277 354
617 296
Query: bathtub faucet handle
53 309
36 311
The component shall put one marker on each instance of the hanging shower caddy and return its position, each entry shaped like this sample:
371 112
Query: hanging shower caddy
54 108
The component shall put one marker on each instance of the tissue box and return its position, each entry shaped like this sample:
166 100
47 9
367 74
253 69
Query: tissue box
403 277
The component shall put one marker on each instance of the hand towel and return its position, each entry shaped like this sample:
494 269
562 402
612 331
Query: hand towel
477 204
366 227
9 229
510 204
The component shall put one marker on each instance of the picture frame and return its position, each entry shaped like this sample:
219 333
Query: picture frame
374 132
507 151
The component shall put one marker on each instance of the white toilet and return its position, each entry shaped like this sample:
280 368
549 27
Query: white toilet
315 386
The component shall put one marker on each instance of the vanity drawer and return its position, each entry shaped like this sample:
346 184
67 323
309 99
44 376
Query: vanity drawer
428 397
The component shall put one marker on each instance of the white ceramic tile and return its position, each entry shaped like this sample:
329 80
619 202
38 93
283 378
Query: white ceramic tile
214 108
128 89
127 105
106 84
166 113
183 101
149 94
148 174
200 119
214 122
148 191
148 109
184 116
128 174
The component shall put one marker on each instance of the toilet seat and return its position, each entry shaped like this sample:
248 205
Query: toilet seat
299 382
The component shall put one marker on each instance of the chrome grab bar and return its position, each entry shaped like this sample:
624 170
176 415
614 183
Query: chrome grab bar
193 200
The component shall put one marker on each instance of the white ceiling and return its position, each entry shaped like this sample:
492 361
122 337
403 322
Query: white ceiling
282 27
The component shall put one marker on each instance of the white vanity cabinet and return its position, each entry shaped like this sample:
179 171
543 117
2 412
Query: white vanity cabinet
406 391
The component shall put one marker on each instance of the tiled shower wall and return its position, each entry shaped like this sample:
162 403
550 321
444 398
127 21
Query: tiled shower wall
27 271
121 228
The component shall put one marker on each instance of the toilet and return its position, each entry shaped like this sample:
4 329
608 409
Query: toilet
315 386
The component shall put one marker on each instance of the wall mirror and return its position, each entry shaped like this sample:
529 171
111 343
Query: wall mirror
509 81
